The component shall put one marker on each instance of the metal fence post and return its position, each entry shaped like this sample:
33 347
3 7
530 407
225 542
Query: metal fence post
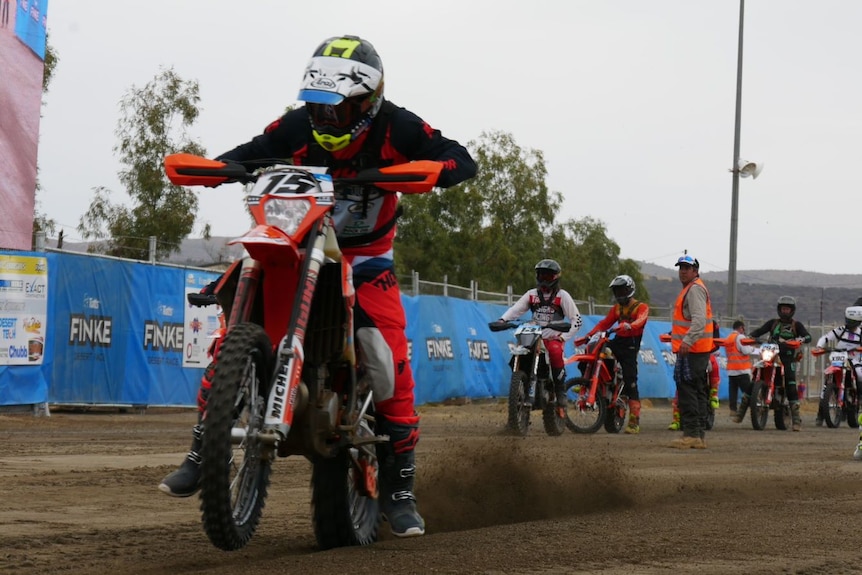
446 285
152 249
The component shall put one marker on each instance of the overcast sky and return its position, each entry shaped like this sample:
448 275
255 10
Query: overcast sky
631 102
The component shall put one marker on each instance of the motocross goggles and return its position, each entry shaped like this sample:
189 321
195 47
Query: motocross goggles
341 116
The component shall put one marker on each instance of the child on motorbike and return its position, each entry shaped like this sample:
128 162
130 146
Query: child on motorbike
347 126
782 330
848 336
631 315
548 302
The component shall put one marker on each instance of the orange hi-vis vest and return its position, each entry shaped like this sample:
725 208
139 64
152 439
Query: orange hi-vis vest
681 326
736 360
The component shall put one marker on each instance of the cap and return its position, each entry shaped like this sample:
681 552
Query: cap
688 260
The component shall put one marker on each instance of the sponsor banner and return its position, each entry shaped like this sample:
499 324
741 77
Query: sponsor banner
23 309
31 23
123 334
199 323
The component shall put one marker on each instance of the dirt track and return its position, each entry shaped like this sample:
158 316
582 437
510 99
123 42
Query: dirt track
80 497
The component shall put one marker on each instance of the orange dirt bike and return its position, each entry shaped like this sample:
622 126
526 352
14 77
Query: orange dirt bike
288 379
532 385
839 399
596 397
767 386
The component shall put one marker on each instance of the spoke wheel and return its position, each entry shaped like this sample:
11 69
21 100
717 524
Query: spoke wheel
581 417
519 408
759 407
234 472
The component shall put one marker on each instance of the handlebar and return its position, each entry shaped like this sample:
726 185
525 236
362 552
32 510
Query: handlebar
500 325
824 350
191 170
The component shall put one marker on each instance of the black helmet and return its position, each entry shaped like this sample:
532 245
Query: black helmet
623 287
788 301
548 275
853 317
343 90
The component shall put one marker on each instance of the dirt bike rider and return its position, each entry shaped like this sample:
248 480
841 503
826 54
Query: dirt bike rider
631 315
780 331
347 126
739 369
548 302
848 336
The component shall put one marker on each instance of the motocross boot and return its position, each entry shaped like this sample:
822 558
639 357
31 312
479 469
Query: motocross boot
185 481
794 414
818 421
857 454
675 424
396 478
743 407
634 426
713 397
560 392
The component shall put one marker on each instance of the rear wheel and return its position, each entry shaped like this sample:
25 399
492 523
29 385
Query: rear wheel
519 408
759 407
616 416
851 406
582 417
781 412
234 469
344 505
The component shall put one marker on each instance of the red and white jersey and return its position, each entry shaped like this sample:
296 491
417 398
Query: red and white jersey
558 307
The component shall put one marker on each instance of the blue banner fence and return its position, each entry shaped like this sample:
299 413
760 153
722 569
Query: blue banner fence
121 333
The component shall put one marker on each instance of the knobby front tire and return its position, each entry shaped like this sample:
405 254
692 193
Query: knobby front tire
519 409
234 476
580 417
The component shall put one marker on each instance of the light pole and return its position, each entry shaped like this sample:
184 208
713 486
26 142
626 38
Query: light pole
740 168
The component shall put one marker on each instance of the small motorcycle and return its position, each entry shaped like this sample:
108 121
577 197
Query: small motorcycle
839 399
596 397
532 384
767 387
288 378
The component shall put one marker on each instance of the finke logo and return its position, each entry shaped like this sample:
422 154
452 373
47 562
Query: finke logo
167 336
91 302
479 350
439 348
93 330
648 357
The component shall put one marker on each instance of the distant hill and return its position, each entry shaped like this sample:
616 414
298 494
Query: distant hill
821 298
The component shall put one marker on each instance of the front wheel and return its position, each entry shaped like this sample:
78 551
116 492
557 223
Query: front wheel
581 416
759 407
831 406
234 470
519 407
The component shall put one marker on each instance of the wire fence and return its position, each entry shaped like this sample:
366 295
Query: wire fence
810 369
